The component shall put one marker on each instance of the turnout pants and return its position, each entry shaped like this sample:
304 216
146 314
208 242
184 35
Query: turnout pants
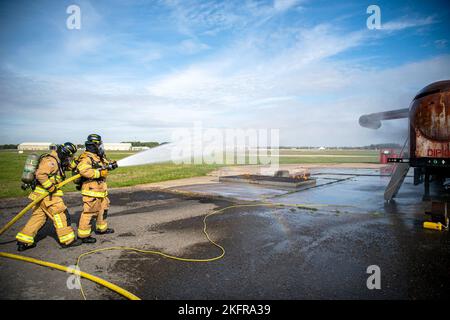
53 208
93 208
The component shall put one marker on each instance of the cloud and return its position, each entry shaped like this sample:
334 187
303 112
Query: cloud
300 89
209 17
300 78
282 5
244 74
191 46
77 44
401 24
441 43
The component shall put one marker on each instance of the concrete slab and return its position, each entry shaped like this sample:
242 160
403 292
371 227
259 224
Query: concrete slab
279 182
231 190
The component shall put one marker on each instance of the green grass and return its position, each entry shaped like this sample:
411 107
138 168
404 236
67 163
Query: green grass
288 156
130 176
331 152
11 166
329 159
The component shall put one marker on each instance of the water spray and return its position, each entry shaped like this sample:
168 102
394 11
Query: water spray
162 153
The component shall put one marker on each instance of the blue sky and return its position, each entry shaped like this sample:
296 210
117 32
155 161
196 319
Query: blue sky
138 69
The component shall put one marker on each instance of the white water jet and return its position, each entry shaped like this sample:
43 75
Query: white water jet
162 153
212 147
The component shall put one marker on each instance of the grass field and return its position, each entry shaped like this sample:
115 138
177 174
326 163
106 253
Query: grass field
11 165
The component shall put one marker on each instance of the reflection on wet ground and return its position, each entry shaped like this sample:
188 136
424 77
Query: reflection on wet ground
271 252
293 253
356 190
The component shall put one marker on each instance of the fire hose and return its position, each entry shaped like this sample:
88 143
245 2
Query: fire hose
32 204
108 284
93 278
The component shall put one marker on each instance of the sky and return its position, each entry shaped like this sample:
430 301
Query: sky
138 70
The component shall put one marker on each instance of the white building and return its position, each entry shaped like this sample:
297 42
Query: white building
139 148
35 146
117 146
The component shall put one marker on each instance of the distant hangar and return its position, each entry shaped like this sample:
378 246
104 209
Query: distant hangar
36 146
117 146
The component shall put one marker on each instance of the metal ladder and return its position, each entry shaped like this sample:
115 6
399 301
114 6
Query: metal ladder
397 178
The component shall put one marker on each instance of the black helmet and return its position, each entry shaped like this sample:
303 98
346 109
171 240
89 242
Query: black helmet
94 138
65 151
68 149
94 144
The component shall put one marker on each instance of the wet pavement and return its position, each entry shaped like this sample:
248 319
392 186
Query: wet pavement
271 252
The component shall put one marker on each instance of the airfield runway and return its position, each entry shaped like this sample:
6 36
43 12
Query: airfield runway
271 252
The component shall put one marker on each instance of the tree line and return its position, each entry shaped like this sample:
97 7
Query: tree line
8 146
150 144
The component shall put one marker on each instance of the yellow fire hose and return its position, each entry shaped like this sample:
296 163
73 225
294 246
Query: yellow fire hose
110 285
32 204
205 231
98 280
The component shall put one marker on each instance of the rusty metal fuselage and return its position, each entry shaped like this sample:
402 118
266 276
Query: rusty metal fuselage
429 138
429 129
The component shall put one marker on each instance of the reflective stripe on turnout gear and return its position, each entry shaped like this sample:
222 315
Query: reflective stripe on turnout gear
95 194
82 232
67 237
47 184
40 190
102 227
24 238
58 221
83 166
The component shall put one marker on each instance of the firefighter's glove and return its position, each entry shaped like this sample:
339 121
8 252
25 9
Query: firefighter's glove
104 173
112 165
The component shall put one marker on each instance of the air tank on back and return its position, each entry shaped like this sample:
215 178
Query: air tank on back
29 170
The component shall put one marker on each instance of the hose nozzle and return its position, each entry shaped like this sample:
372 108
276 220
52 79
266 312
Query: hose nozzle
111 166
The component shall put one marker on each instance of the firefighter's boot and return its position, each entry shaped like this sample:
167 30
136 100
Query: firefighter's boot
107 231
89 240
75 243
23 246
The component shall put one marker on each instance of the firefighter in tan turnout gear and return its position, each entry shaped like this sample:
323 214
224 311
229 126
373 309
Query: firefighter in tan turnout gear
50 171
93 167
